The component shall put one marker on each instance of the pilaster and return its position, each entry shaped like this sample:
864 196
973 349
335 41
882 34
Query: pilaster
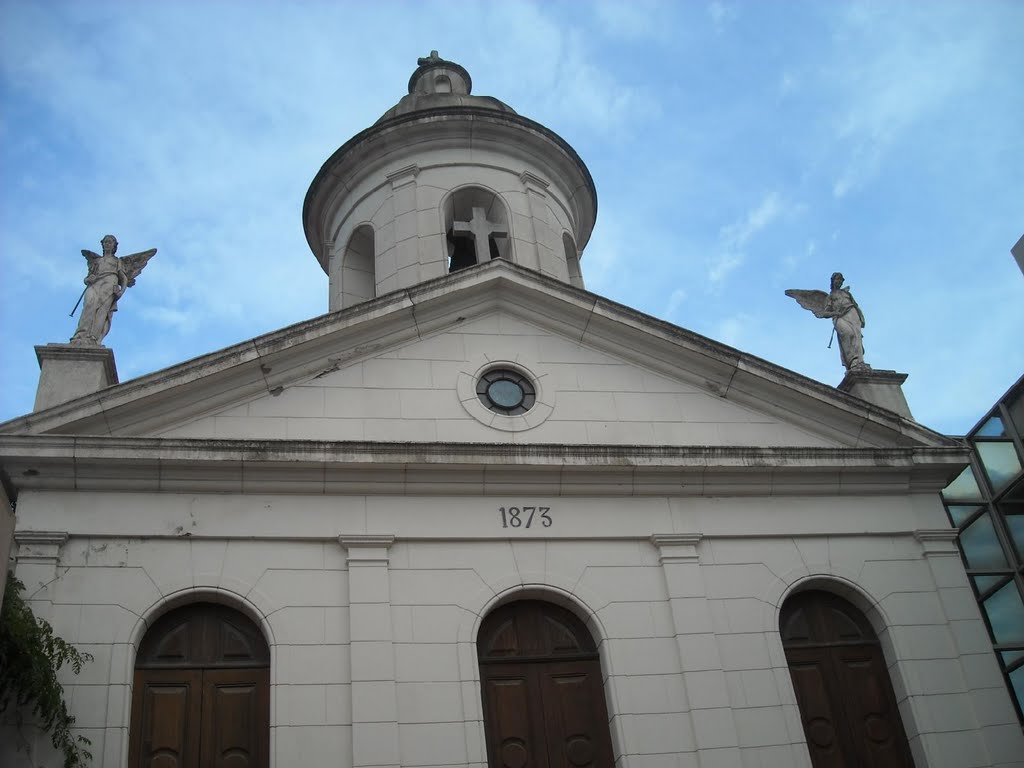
38 553
6 531
374 694
714 727
540 256
407 231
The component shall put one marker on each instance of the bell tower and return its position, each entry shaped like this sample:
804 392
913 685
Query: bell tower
444 181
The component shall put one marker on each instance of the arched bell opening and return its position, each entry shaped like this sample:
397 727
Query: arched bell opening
572 261
476 224
201 693
846 699
543 698
358 270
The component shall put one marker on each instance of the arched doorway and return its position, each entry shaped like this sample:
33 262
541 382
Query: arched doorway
543 697
359 268
476 223
846 699
202 692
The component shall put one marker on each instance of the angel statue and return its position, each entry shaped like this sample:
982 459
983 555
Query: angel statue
109 277
847 319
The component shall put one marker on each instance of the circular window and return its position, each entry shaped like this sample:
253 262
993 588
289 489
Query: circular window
506 391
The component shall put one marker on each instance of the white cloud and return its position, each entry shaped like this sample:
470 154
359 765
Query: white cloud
734 329
722 14
675 301
723 264
563 68
632 19
791 259
601 256
734 237
788 83
893 71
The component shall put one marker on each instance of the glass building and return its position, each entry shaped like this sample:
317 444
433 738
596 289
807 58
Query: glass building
986 504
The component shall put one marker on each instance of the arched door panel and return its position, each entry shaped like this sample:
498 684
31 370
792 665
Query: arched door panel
842 685
543 695
202 692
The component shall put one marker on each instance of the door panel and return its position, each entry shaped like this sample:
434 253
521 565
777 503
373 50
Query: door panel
196 718
235 729
871 711
517 732
165 719
575 716
823 725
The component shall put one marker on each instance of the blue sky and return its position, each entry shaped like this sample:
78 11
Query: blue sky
739 149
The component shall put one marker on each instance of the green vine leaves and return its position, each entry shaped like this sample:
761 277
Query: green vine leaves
30 656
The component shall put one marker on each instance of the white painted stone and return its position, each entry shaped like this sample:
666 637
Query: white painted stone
691 489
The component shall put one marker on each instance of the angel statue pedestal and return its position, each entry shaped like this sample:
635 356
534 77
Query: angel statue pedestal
67 371
884 388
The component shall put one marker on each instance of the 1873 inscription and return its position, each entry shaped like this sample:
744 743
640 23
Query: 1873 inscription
525 517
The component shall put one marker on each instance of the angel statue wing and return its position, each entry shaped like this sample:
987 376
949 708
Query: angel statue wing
92 258
134 264
810 300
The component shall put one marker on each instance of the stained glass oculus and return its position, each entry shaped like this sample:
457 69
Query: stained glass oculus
505 391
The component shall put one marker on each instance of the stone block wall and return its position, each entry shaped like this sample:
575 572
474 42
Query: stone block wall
372 636
412 393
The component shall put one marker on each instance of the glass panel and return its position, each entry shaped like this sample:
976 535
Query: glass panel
1000 461
980 545
964 488
987 582
1015 405
1011 656
1016 525
960 512
1005 612
1017 681
991 428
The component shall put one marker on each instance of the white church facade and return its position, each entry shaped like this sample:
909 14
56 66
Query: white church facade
478 516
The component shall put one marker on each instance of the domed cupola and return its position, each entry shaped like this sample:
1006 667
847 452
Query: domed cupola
446 180
438 83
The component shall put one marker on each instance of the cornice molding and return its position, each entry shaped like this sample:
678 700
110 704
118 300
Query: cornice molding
321 467
296 353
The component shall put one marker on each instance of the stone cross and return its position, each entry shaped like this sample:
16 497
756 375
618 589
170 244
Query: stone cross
433 58
481 230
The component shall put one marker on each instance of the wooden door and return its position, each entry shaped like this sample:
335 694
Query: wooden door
165 718
543 696
202 693
842 686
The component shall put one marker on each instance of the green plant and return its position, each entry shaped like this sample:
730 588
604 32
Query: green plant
30 655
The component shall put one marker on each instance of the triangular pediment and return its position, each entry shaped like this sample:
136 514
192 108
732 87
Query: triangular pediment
401 368
424 390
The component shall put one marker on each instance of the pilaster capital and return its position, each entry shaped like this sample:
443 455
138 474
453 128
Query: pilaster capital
678 547
533 183
937 541
367 549
403 176
39 546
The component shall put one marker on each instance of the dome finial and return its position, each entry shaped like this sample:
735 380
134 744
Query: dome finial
436 75
433 58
